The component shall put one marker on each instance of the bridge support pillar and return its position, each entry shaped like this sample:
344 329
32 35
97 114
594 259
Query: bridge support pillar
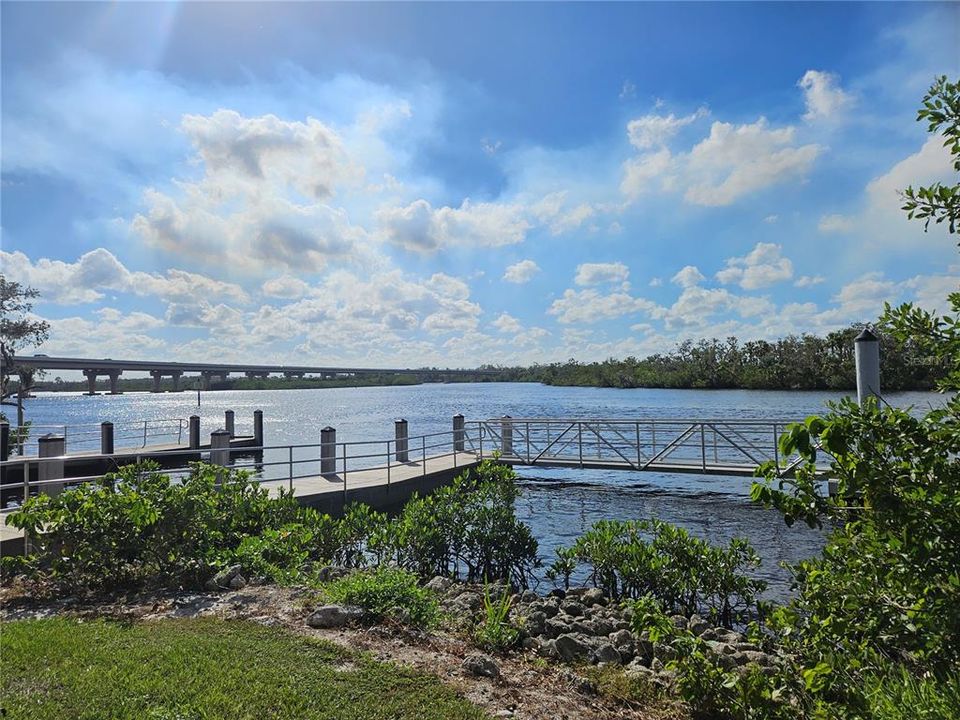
194 432
258 428
459 433
229 422
115 382
328 451
506 435
867 357
401 433
176 375
51 446
106 438
91 376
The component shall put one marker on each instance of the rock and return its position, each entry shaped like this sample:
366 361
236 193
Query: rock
607 654
744 657
747 646
237 582
635 669
621 637
656 665
679 622
548 649
698 625
528 596
583 627
467 602
602 627
439 584
536 623
482 665
573 608
576 592
334 616
557 593
222 579
332 572
578 683
530 643
593 596
549 607
503 713
555 626
664 651
711 634
721 648
573 647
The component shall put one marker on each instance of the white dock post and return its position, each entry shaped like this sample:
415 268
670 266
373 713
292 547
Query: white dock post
867 356
328 451
220 448
51 446
401 433
506 435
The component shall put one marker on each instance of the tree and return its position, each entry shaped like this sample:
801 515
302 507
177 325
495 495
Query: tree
18 330
883 599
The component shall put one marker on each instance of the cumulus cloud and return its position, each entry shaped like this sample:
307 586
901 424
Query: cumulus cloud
733 161
421 227
597 273
824 97
655 131
285 286
521 272
587 306
808 281
506 323
86 279
761 267
688 276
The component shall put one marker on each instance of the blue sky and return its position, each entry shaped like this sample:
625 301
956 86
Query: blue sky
456 184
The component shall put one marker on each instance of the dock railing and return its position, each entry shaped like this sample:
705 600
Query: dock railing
85 437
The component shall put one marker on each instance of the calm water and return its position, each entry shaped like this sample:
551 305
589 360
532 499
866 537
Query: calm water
559 504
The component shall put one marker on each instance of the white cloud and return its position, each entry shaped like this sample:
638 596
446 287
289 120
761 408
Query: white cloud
836 224
521 272
737 160
628 90
731 162
285 286
597 273
506 323
587 306
656 282
420 227
761 267
808 281
824 97
688 276
655 131
771 219
93 272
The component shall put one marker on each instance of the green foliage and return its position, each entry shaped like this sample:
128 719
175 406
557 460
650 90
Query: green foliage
563 566
137 527
19 328
276 554
495 631
938 202
685 574
386 592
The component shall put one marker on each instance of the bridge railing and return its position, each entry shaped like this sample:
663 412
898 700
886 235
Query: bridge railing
679 445
85 437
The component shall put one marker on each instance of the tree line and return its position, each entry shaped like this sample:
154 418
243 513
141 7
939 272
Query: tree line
795 362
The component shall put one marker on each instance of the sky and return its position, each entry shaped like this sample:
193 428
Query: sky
456 184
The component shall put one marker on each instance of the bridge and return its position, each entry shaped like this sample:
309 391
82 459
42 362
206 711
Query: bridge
92 368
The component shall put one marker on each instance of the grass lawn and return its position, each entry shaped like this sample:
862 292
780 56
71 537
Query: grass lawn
200 670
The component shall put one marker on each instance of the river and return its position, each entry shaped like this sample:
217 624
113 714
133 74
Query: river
559 504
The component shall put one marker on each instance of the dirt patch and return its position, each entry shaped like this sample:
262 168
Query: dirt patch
527 688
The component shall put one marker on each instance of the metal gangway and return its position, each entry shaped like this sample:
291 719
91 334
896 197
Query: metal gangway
734 447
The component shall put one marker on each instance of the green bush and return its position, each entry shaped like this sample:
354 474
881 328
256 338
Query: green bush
652 558
138 527
386 592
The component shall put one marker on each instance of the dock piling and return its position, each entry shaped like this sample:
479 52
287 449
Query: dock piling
401 433
51 446
459 433
106 438
229 423
867 358
328 451
194 432
220 448
258 428
506 436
